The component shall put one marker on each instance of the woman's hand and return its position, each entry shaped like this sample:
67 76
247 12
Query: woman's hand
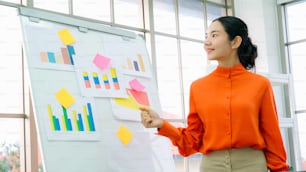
149 118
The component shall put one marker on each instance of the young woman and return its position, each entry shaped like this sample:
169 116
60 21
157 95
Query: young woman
232 116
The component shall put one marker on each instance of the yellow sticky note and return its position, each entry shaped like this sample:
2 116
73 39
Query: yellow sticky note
127 102
64 98
66 36
124 135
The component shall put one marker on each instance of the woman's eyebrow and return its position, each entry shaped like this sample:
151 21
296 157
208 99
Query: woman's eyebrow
213 31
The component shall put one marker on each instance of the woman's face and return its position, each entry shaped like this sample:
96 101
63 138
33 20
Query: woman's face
216 44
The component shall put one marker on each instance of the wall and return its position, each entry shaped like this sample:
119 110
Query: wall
262 20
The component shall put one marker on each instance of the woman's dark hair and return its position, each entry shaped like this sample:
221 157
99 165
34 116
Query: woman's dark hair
247 51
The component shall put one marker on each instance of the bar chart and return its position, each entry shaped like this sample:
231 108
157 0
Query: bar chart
65 57
136 64
75 121
92 79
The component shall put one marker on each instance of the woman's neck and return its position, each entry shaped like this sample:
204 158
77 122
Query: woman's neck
229 63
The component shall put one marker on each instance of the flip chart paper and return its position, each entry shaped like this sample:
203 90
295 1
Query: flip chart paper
64 98
136 157
69 144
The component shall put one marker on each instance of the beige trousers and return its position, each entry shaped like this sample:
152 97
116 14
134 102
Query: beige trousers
234 160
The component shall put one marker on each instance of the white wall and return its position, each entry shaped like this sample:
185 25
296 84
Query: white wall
261 18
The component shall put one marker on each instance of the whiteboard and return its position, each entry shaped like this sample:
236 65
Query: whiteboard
86 82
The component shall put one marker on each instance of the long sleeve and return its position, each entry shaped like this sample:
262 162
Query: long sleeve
188 140
231 108
269 126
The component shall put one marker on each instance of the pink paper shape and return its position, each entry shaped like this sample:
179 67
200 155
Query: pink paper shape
101 61
140 97
136 85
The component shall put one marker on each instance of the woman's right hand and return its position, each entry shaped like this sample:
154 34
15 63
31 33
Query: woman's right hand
149 118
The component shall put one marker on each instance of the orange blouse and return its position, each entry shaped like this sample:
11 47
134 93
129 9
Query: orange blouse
231 108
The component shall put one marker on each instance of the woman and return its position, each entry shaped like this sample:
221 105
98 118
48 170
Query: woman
232 117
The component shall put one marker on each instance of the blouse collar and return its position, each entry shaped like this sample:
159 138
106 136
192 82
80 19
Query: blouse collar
231 71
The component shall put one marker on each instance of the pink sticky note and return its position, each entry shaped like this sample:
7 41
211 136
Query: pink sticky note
101 61
136 85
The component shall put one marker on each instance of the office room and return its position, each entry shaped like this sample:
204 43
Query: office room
108 85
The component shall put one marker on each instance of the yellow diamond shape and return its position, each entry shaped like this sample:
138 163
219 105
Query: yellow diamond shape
124 135
66 36
64 98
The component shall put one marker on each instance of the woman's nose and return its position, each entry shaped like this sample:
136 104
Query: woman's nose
206 42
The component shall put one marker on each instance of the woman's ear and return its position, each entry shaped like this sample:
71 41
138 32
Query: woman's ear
236 42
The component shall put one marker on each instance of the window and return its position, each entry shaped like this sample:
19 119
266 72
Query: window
180 59
11 142
191 18
11 99
13 1
179 30
61 6
168 75
164 16
294 14
214 11
297 56
194 65
99 10
128 12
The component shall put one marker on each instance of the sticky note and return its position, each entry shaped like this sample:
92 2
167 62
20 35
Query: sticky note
101 61
124 135
127 102
66 36
140 97
136 85
64 98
